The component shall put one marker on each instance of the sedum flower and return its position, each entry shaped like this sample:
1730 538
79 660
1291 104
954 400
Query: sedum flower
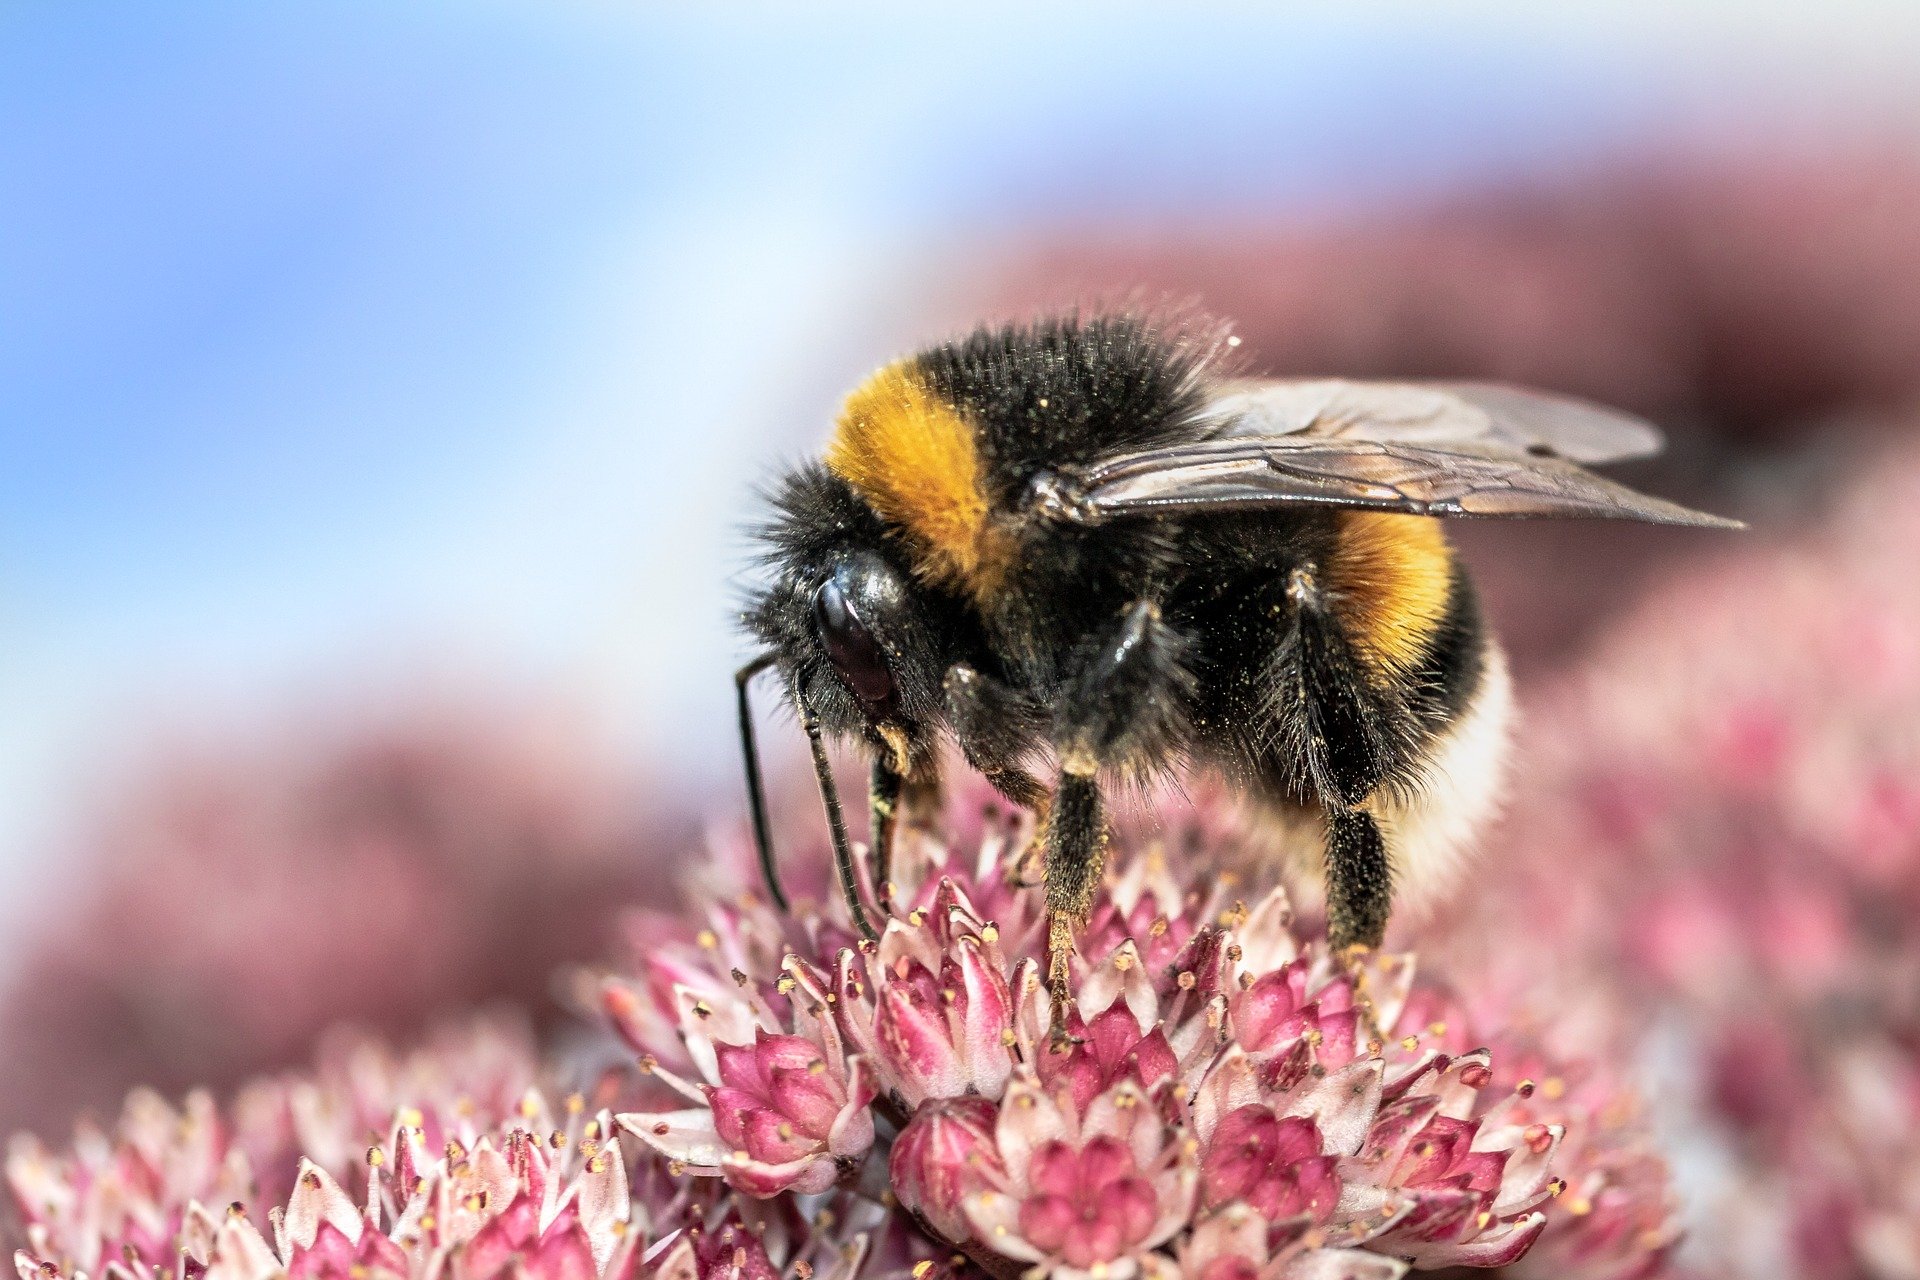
450 1192
562 1209
1274 1164
1083 1191
1225 1071
935 1008
784 1103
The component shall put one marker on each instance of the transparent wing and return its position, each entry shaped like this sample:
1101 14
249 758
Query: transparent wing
1435 414
1438 450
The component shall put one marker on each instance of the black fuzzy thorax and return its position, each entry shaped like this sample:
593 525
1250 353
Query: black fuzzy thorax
1056 396
1067 391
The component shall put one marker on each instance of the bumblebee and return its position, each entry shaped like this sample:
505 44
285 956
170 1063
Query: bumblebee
1085 553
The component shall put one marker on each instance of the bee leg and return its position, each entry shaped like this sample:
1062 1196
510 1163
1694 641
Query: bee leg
995 726
1126 706
1346 728
1359 897
836 820
896 800
1076 856
884 787
1359 885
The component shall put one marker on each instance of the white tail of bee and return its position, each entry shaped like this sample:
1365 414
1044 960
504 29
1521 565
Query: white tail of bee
1432 829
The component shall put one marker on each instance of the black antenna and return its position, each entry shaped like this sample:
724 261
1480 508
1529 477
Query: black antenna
756 794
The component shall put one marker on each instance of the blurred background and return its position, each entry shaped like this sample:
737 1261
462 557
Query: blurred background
382 389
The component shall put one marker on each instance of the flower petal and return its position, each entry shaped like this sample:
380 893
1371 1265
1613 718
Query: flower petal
1342 1103
688 1136
996 1222
1342 1264
317 1199
1121 976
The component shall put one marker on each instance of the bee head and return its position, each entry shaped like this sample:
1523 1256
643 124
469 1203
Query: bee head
862 644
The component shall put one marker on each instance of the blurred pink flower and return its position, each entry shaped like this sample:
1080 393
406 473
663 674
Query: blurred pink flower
243 896
1727 789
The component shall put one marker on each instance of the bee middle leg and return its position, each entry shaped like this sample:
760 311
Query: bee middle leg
1127 705
1076 858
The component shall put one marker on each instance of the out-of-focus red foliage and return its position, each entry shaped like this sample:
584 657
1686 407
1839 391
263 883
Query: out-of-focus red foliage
242 896
1745 291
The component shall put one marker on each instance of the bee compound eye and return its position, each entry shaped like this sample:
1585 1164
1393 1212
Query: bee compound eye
856 655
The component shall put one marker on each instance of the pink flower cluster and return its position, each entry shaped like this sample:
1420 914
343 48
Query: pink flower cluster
1235 1101
457 1189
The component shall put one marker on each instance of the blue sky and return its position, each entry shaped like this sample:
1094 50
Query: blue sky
384 343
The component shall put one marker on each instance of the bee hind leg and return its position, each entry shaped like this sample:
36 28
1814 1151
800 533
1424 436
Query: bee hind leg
1359 898
1359 884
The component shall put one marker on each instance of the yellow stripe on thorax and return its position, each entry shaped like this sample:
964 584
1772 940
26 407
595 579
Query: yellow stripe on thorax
914 459
1393 576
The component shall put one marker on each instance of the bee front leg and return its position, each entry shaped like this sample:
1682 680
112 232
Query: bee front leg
895 798
996 727
884 786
